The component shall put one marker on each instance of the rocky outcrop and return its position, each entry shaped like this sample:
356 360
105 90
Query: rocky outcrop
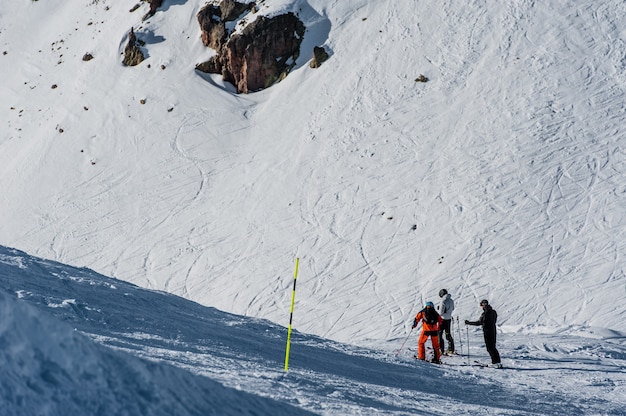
231 9
154 5
263 53
212 27
212 20
319 56
258 55
132 54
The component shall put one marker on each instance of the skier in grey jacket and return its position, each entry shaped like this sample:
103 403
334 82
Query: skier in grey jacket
445 309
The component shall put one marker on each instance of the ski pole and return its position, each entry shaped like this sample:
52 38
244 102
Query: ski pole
407 338
468 349
450 331
458 330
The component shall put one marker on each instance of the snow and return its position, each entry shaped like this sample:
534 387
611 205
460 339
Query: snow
500 178
115 348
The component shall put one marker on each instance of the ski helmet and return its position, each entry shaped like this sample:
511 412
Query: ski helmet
430 305
442 293
484 302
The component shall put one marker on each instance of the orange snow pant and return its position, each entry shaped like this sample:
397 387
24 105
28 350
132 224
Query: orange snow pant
434 339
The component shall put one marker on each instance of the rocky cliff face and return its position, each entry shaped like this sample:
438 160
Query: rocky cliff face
255 57
263 53
212 20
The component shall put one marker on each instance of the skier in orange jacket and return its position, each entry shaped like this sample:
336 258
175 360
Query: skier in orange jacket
430 328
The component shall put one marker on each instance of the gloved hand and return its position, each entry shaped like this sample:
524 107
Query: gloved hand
466 322
414 323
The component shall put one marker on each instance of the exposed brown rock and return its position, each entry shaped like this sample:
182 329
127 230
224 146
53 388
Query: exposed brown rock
212 28
231 9
263 52
212 20
154 5
212 66
319 56
132 54
253 59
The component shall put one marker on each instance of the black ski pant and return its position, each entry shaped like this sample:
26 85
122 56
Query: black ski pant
445 328
490 343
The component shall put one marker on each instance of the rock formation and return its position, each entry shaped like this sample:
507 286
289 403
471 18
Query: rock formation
154 5
319 56
212 27
255 57
132 54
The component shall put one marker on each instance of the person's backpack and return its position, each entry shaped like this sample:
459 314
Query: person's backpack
430 316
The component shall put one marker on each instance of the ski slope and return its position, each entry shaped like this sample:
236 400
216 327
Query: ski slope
77 342
499 178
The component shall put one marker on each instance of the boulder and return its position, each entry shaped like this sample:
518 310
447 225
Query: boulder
319 56
132 54
255 57
264 52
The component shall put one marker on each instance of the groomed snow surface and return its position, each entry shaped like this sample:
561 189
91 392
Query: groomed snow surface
151 217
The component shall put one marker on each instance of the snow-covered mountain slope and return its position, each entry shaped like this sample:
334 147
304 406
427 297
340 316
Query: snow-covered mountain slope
167 355
499 178
49 369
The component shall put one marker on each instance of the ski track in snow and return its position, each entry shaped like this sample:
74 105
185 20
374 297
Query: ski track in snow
500 178
544 372
534 213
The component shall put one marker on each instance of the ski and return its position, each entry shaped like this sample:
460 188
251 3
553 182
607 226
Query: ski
427 361
483 365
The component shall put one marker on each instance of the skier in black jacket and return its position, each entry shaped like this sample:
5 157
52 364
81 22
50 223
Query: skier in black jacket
488 321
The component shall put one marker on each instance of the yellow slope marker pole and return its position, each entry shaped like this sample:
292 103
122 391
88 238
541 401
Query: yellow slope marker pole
293 299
